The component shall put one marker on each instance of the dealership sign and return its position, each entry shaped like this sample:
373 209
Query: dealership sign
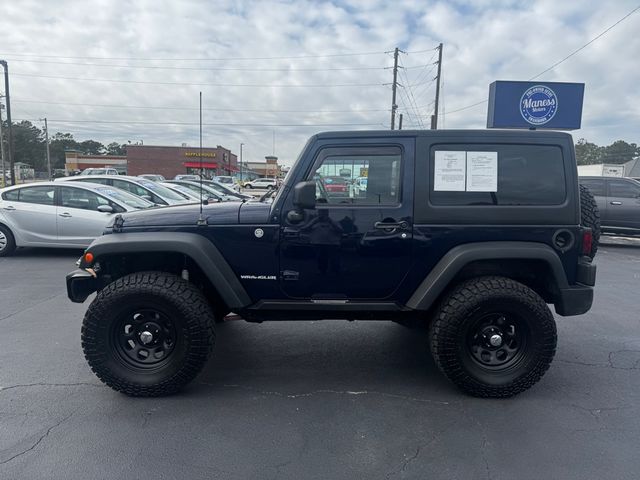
553 105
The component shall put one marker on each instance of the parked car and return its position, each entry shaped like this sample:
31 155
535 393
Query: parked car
476 257
360 185
335 186
187 177
227 190
59 215
212 193
152 176
185 191
618 201
267 183
151 191
99 171
228 181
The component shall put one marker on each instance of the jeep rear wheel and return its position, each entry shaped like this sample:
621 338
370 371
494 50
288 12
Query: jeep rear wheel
148 334
493 337
590 217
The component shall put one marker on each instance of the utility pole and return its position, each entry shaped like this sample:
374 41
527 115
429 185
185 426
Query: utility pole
241 162
10 136
434 117
394 86
2 177
400 123
46 139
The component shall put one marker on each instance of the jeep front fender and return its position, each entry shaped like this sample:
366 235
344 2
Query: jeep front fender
197 247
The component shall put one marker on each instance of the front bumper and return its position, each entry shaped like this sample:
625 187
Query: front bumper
578 298
81 284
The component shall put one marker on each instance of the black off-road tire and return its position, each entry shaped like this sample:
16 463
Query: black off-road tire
451 335
9 243
177 300
590 217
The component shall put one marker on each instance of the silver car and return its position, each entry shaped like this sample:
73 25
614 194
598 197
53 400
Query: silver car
59 215
147 189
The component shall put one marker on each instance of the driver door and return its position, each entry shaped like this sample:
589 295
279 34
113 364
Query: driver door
355 245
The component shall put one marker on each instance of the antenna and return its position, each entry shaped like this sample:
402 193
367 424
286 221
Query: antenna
201 220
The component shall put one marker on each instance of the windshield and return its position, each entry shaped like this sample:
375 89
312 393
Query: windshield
160 190
125 198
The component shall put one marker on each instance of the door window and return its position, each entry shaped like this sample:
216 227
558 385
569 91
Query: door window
131 188
39 195
595 186
623 189
79 198
355 176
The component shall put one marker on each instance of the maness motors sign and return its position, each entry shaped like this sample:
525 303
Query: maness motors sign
554 105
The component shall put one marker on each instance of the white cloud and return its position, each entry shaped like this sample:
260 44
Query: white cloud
483 41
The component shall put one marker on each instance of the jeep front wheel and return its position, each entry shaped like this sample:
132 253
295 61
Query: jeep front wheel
493 337
148 334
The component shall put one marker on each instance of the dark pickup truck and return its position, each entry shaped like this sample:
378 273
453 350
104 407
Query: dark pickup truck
471 233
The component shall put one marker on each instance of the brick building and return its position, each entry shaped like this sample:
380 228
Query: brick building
163 160
171 161
76 160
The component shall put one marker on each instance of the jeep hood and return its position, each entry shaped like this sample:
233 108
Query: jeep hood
225 213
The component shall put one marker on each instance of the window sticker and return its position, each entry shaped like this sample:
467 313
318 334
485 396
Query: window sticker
482 171
449 173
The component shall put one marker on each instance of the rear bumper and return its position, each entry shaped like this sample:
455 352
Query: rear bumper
578 299
81 284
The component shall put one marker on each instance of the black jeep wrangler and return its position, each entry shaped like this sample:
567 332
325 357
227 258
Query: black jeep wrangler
472 233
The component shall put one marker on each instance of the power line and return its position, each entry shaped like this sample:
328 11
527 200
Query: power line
205 69
143 82
558 62
412 100
126 122
194 59
150 107
586 44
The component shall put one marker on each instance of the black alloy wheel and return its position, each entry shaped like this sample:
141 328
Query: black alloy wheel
148 333
493 337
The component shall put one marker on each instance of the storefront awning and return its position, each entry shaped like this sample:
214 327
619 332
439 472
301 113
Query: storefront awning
197 164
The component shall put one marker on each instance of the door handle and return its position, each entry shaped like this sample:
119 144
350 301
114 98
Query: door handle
65 215
10 208
616 203
391 225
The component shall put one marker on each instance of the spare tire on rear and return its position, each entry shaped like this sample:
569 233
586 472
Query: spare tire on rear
590 217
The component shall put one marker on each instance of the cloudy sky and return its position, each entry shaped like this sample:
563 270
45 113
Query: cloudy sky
118 70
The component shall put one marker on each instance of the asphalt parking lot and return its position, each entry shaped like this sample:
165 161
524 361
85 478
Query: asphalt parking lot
322 400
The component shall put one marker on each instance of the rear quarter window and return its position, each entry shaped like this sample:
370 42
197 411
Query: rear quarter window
526 175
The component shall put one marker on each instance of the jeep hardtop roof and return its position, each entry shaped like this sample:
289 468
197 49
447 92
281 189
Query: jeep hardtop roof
550 134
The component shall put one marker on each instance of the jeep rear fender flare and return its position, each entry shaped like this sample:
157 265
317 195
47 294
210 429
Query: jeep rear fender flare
458 257
197 247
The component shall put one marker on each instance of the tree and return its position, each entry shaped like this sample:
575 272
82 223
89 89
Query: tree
91 147
588 153
620 152
58 144
114 148
29 146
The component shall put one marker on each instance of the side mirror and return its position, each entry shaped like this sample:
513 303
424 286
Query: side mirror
105 208
304 195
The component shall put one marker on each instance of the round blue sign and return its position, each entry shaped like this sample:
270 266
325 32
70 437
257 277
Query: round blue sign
538 105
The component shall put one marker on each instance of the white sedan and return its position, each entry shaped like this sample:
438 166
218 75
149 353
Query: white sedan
59 215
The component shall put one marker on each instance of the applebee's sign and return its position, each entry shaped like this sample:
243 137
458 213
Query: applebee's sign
538 105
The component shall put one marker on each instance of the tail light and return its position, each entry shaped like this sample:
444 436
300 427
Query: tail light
587 241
